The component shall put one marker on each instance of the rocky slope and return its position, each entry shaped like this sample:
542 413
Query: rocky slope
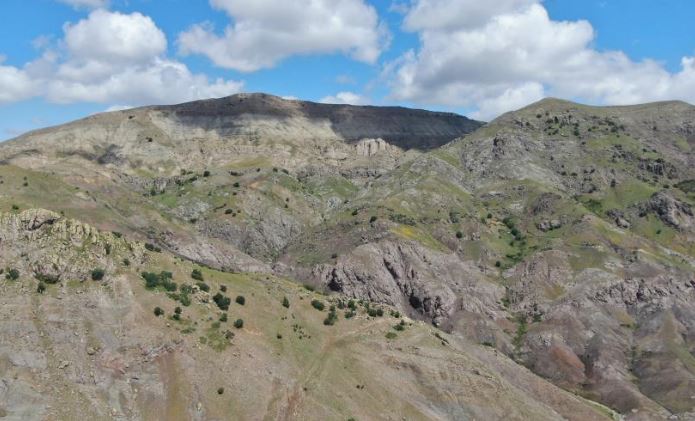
561 235
79 347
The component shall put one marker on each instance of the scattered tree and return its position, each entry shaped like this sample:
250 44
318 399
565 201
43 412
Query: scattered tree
98 274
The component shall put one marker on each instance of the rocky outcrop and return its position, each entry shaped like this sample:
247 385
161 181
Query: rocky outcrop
419 281
671 211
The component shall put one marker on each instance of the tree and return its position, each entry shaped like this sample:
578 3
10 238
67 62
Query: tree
286 302
98 274
197 275
238 323
12 274
240 300
41 288
158 311
318 305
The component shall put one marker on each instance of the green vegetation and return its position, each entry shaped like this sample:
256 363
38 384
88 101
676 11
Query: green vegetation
158 311
222 301
285 302
318 305
197 275
98 274
239 323
11 274
160 280
240 300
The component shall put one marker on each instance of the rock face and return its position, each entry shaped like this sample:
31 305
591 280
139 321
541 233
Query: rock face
673 212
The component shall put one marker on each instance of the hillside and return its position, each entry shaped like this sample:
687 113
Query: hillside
558 238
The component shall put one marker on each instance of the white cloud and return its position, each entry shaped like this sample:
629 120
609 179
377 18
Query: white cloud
110 57
114 37
86 4
345 97
499 58
266 31
15 85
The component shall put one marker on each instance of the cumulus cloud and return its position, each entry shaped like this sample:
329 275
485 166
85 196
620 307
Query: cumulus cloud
345 97
494 59
86 4
110 57
15 85
266 31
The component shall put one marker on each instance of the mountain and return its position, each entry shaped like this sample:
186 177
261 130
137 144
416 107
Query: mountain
558 238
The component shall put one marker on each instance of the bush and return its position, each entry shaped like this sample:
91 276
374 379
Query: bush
286 302
178 310
331 319
12 274
206 173
163 279
498 263
41 288
197 275
222 301
352 305
158 311
223 288
239 323
391 335
223 318
98 274
318 305
228 211
240 300
203 286
459 234
126 262
372 219
220 390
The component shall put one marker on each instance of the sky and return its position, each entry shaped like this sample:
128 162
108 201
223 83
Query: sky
65 59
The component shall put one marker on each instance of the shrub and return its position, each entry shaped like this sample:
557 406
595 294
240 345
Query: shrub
220 390
206 173
372 219
380 312
223 288
459 234
372 312
498 263
12 274
239 323
158 311
236 184
163 279
177 310
331 318
228 211
318 305
399 327
197 275
203 286
152 247
489 216
15 208
240 300
286 302
391 335
41 288
222 301
126 262
352 305
98 274
350 314
223 318
355 212
309 287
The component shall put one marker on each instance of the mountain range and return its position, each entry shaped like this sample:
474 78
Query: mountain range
392 263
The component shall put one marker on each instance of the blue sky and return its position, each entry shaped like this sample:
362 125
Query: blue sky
65 59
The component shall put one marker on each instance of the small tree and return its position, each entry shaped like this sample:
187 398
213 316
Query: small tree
98 274
286 302
158 311
318 305
197 275
240 300
41 288
12 274
238 323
